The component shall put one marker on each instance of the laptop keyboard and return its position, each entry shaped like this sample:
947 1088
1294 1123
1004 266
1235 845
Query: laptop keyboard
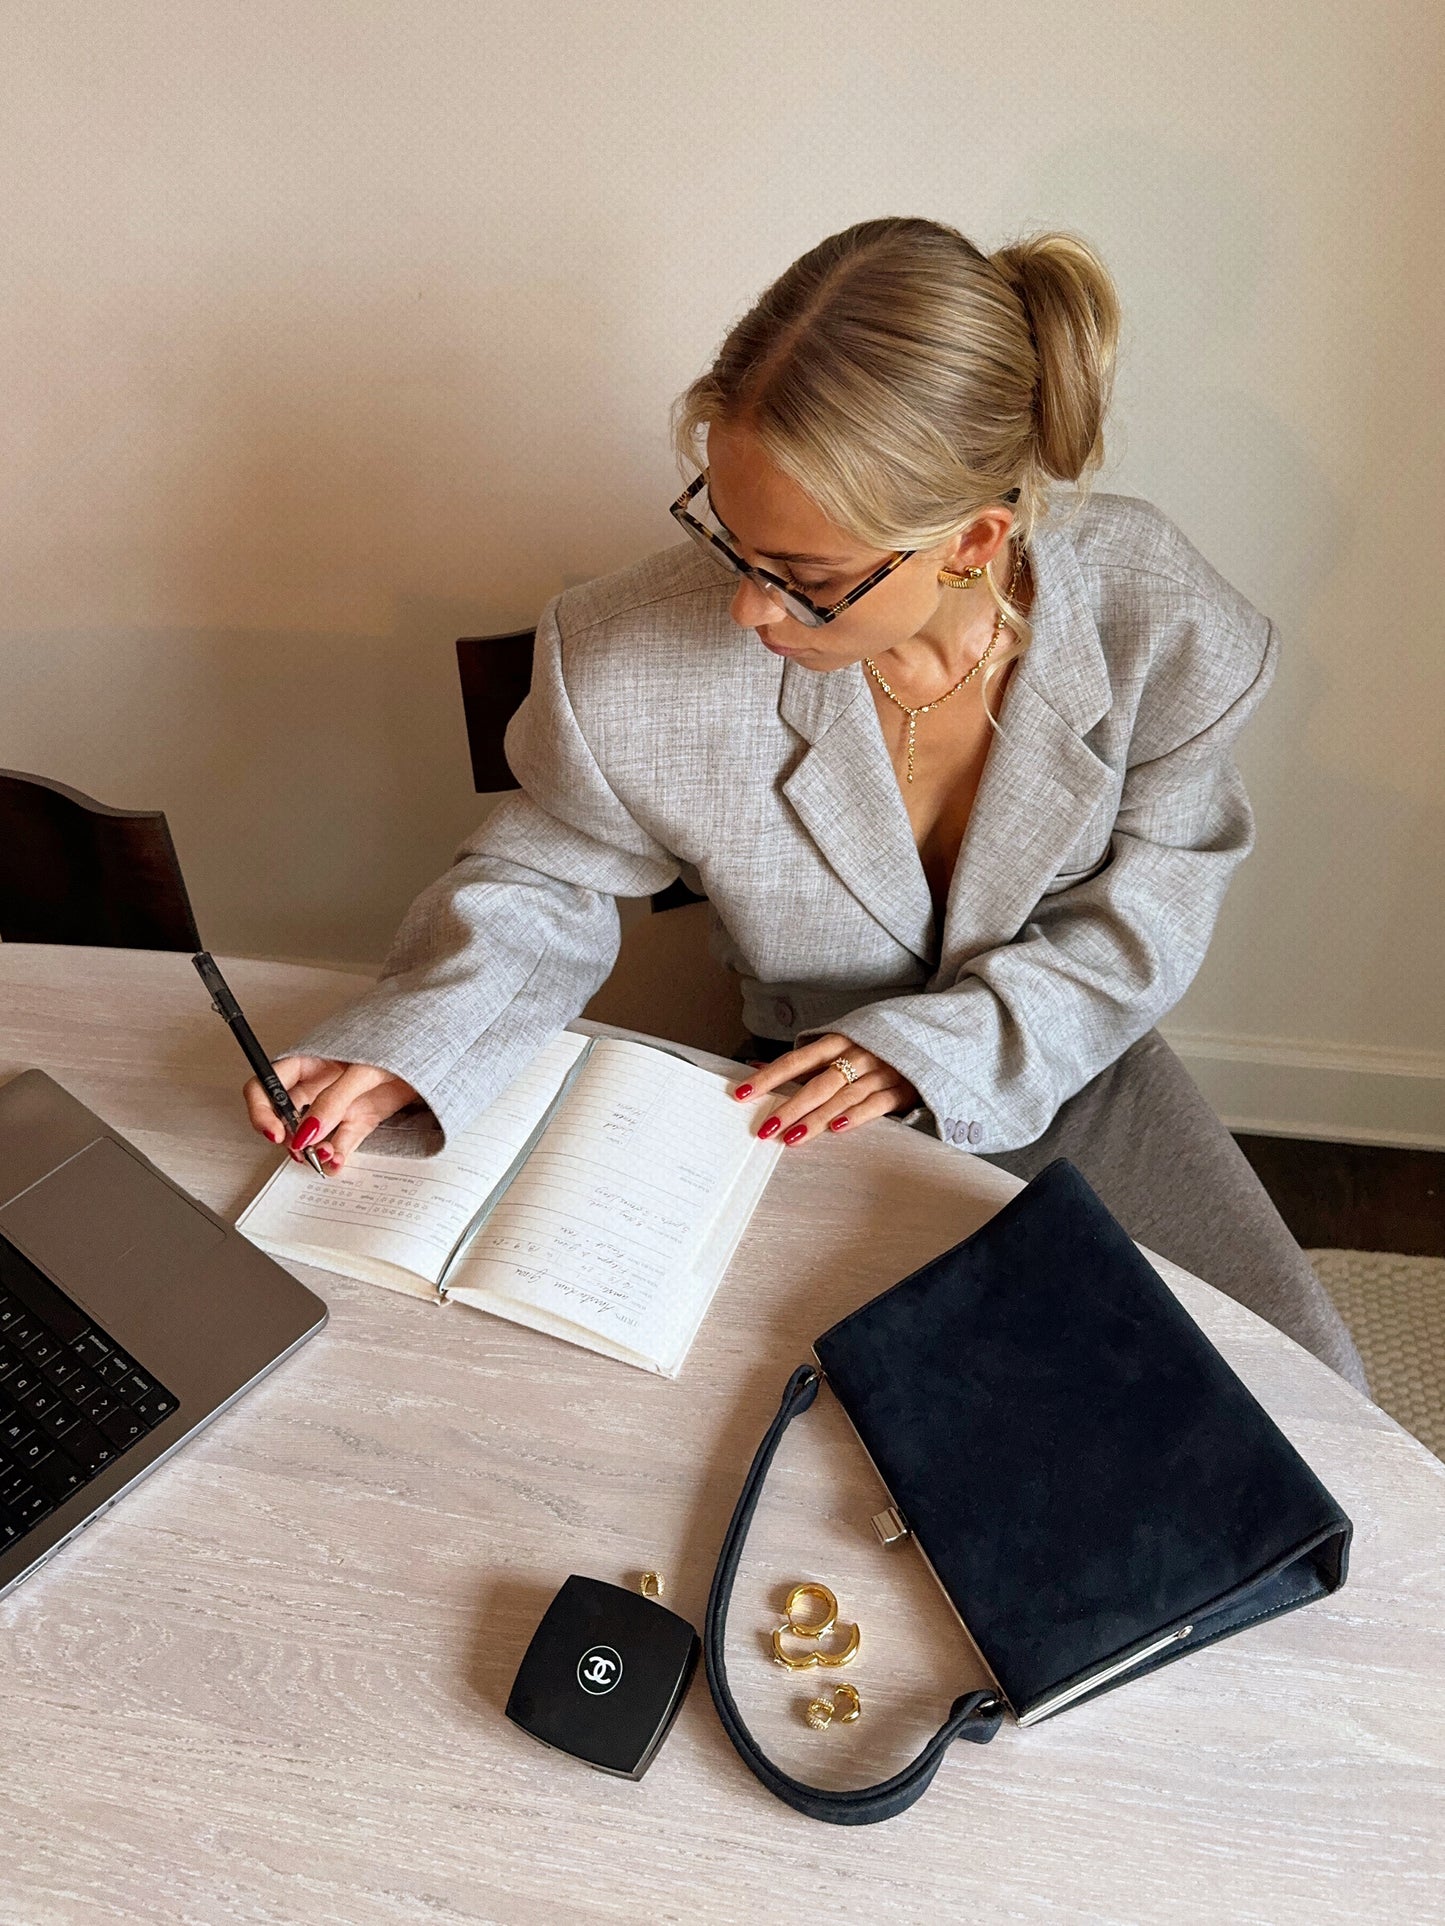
71 1400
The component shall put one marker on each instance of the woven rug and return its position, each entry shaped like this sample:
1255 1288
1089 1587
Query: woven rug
1395 1308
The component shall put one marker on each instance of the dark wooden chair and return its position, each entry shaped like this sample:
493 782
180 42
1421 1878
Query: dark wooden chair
496 672
74 870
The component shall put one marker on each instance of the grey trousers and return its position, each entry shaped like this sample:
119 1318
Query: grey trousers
1148 1142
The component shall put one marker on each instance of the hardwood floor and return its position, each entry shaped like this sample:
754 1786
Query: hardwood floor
1356 1197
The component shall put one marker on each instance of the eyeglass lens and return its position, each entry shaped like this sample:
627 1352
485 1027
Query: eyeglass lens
702 511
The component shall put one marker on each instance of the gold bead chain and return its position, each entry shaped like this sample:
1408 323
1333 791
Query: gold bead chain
923 708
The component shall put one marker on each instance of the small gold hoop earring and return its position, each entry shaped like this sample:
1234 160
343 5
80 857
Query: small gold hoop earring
961 580
845 1706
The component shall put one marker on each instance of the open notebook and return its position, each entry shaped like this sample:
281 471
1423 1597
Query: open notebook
600 1198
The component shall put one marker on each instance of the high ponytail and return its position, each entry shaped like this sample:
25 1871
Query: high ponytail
1073 319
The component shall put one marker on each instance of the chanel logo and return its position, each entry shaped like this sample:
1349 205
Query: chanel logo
598 1670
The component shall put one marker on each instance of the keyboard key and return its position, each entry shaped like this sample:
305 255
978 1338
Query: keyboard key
32 1508
9 1312
60 1421
40 1400
20 1383
114 1369
23 1330
90 1347
13 1433
99 1405
42 1346
60 1369
9 1361
135 1385
89 1449
151 1410
84 1384
10 1530
58 1477
122 1427
34 1452
14 1485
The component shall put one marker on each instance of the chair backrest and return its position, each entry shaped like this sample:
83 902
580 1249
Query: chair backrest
74 870
496 672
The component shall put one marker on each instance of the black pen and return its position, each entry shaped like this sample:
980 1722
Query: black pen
225 1005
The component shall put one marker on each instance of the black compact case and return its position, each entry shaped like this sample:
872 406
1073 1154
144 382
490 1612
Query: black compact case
604 1676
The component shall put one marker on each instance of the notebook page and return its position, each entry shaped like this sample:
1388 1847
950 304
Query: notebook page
394 1220
604 1226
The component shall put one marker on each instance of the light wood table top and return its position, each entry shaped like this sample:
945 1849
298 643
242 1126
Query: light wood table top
269 1685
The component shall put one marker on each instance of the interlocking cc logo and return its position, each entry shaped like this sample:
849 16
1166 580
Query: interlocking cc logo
598 1670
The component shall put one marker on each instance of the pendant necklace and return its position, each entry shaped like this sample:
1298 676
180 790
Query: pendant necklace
923 708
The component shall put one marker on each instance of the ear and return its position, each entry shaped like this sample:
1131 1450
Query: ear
980 543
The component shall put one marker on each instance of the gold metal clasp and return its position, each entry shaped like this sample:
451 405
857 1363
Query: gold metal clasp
889 1526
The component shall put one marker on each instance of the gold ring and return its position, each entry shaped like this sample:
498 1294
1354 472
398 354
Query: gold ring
842 1063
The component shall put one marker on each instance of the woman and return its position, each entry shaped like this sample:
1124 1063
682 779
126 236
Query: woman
951 761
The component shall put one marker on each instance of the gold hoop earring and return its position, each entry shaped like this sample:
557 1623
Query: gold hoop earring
845 1706
949 579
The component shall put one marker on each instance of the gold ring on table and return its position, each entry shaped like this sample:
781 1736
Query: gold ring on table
842 1063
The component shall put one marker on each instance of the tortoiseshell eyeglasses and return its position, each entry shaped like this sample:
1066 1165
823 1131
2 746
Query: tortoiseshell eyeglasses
786 594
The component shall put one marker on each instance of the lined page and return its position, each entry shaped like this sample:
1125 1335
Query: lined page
604 1227
393 1220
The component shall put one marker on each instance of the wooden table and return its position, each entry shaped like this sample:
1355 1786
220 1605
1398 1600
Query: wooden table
269 1685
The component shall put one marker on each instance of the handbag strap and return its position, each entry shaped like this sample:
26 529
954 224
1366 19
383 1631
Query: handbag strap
975 1716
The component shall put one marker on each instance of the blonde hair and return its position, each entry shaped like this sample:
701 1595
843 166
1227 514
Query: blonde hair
905 380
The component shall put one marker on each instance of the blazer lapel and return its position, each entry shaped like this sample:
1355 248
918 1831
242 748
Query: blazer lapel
1041 782
846 795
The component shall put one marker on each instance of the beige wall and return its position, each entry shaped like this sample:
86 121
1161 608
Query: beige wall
332 329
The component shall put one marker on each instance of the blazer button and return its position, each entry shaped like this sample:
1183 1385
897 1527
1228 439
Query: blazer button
950 1130
783 1010
975 1133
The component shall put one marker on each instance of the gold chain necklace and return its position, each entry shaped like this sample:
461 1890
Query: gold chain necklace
923 707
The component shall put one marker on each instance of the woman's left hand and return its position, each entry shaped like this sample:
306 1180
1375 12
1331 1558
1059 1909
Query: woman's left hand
826 1100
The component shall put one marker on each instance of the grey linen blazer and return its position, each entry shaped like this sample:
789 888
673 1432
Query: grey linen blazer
660 740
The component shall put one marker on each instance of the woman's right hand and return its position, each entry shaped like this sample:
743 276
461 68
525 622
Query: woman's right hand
343 1101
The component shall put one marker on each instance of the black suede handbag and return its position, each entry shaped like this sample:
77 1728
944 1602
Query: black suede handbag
1092 1486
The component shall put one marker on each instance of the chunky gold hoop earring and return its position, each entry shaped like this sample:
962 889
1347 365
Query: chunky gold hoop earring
811 1630
951 580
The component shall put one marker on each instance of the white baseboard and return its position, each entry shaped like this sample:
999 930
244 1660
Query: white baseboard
1345 1093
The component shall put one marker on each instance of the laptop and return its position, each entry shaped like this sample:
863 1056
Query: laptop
130 1316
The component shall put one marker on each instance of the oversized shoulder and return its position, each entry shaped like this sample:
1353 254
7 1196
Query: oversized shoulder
657 637
1180 641
674 587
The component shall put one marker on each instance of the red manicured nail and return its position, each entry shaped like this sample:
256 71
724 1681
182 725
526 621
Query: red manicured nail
797 1131
773 1123
324 1152
743 1090
307 1133
839 1123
